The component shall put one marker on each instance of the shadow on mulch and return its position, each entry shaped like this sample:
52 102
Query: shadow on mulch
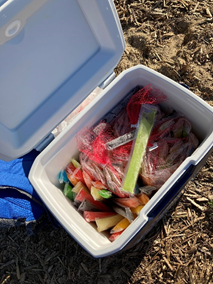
52 256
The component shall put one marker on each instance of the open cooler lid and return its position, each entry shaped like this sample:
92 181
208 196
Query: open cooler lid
53 53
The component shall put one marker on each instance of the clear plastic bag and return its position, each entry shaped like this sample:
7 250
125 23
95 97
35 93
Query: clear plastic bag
108 146
174 144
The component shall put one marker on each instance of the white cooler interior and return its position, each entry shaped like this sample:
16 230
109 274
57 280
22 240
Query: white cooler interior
57 155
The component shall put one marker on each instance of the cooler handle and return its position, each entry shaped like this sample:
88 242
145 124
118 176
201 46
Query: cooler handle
14 14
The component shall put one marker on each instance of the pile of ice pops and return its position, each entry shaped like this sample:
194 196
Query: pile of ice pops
125 159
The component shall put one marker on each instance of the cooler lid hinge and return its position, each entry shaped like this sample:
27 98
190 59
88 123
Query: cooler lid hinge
45 142
107 81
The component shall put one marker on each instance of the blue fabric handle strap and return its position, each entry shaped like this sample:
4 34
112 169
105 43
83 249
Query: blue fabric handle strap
19 202
18 208
22 192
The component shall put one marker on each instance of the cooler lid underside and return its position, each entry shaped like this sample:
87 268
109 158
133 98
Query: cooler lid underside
52 55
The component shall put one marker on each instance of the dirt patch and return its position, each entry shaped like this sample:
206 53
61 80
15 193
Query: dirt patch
174 38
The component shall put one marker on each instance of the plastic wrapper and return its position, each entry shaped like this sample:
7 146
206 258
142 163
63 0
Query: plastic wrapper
121 125
148 190
174 144
62 177
145 123
121 140
123 211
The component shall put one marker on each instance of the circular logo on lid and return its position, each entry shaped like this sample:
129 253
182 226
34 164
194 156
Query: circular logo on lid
13 28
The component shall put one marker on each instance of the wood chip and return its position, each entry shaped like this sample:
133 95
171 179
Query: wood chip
192 195
100 266
17 270
180 216
184 3
135 18
189 261
192 250
40 278
165 227
177 258
158 56
202 208
85 268
205 250
167 262
189 213
208 13
7 263
61 262
191 224
126 271
5 280
202 199
174 236
195 8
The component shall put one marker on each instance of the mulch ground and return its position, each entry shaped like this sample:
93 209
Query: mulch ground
174 38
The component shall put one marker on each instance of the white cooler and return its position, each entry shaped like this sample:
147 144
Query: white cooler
53 53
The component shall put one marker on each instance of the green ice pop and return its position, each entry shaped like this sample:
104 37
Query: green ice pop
143 133
68 192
